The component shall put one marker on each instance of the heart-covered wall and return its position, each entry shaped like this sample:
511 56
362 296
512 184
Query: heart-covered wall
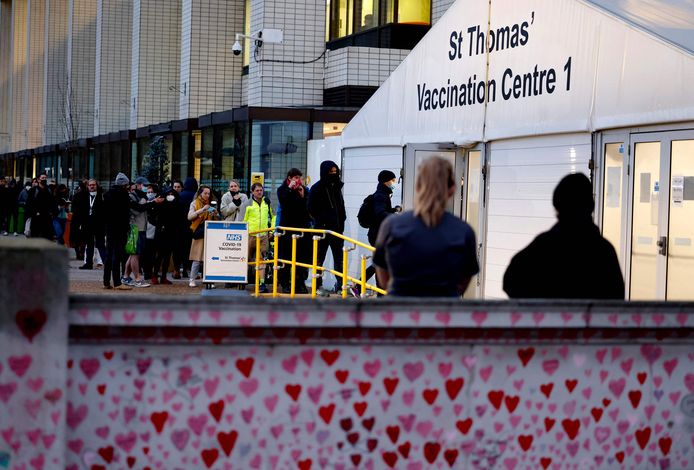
33 354
410 406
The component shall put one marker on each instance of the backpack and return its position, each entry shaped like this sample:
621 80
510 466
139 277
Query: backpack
366 214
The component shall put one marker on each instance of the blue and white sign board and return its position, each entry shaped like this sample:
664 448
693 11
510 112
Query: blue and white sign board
226 252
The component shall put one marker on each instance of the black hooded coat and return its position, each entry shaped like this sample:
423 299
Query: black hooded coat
325 201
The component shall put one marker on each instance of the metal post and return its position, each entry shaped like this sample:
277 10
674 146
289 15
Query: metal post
275 268
257 265
292 288
345 250
362 292
314 264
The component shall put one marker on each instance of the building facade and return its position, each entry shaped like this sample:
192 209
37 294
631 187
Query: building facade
86 84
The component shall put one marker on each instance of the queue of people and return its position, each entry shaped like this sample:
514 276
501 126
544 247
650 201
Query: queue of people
138 229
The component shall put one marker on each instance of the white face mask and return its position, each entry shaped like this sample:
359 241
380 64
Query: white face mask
170 198
92 193
151 196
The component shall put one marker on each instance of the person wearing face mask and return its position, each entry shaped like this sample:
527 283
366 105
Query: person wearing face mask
382 209
232 202
42 207
88 219
150 249
165 236
327 208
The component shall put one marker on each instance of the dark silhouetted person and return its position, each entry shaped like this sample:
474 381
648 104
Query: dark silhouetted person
571 260
427 252
116 224
327 208
292 197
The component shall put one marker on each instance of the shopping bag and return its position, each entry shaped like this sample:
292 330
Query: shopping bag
131 244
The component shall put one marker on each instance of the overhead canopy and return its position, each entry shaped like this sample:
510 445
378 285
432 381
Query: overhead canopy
550 67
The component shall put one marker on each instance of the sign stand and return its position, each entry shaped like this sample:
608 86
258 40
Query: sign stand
225 254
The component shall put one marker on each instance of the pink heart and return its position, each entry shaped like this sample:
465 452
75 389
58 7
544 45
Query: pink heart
413 370
248 387
271 402
179 438
7 390
126 441
20 364
479 317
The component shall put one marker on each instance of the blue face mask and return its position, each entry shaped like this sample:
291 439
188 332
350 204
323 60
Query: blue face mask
390 186
151 196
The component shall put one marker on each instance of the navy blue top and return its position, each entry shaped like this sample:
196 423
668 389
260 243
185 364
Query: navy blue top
423 261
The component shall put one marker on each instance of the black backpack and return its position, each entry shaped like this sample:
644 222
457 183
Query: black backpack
365 216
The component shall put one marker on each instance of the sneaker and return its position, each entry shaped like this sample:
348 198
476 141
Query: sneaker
322 292
154 281
192 283
176 275
108 287
5 232
141 283
163 281
123 287
86 266
128 281
16 234
263 289
354 291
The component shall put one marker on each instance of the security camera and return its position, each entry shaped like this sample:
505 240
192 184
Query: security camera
236 48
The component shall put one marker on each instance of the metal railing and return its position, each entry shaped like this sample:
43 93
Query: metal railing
317 271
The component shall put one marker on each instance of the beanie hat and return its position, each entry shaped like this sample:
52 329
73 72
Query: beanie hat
573 196
121 180
385 175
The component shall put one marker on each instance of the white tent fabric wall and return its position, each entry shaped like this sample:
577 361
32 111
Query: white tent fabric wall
606 73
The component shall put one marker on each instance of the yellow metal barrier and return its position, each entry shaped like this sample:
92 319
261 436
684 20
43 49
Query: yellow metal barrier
316 271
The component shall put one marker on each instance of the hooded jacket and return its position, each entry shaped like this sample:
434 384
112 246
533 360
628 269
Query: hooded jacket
325 202
382 209
190 189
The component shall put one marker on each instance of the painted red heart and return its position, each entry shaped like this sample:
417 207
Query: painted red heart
353 438
390 384
209 456
108 355
101 388
371 444
330 356
619 456
525 441
464 425
158 420
404 449
326 412
106 453
641 377
549 424
227 440
360 408
364 388
430 395
393 433
293 390
305 464
453 387
130 461
450 456
525 355
356 459
368 423
665 443
571 426
245 366
597 414
635 398
643 436
511 403
570 384
495 398
545 462
346 424
431 451
216 409
30 322
546 389
390 458
341 375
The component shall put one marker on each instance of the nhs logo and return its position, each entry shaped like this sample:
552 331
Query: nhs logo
234 237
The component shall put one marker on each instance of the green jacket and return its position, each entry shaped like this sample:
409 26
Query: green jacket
258 215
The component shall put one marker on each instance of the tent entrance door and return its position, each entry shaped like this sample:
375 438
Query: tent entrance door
661 239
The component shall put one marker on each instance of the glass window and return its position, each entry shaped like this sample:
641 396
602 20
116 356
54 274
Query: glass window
234 161
276 147
353 16
206 158
612 196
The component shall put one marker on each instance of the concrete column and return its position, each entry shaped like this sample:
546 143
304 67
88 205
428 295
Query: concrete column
5 74
33 356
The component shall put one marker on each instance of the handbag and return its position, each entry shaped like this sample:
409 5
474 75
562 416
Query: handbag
199 232
131 244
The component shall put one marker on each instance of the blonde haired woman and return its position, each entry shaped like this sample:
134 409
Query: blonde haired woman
199 211
427 252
